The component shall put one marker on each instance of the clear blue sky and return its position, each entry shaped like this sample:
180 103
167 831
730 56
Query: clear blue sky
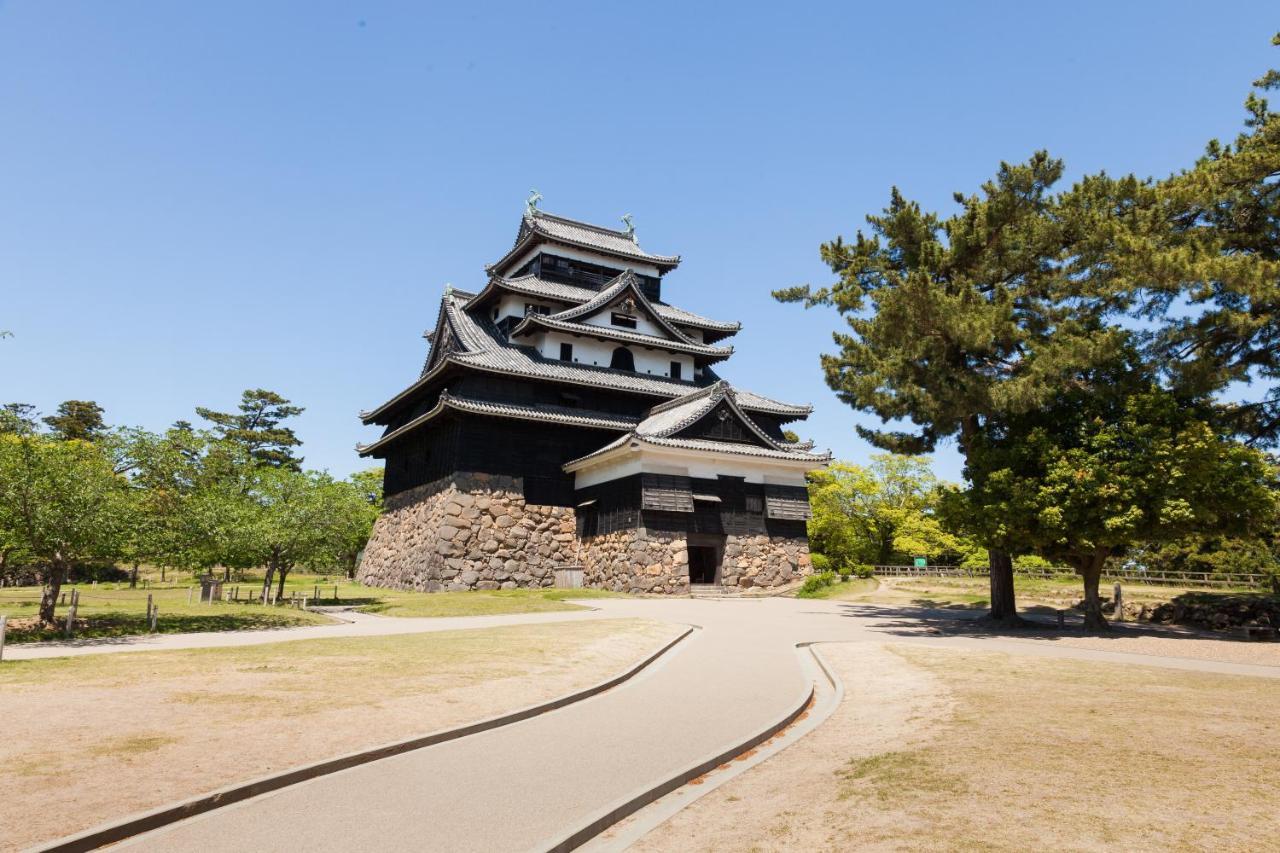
197 198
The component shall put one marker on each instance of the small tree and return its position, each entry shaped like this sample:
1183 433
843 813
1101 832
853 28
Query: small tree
295 515
61 502
77 419
258 427
358 502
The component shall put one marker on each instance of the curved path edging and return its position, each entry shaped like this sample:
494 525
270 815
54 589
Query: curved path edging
110 833
610 815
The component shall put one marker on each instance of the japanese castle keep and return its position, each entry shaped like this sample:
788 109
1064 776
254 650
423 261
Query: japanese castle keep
568 415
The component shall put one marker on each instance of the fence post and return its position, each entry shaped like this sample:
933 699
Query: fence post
4 624
71 614
155 618
335 593
1119 604
190 591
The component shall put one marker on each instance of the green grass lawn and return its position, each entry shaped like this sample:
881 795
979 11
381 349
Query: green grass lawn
478 603
115 610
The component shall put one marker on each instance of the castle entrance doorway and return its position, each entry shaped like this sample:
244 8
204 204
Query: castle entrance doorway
704 558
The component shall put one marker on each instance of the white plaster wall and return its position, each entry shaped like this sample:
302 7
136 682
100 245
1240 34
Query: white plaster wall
644 325
590 351
650 460
512 305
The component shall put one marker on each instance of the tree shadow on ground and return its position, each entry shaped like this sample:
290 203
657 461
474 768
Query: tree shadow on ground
1040 622
106 628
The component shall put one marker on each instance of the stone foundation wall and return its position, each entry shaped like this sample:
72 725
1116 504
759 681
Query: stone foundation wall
637 561
467 531
764 560
654 561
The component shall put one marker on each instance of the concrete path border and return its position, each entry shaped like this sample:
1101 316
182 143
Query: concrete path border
611 814
110 833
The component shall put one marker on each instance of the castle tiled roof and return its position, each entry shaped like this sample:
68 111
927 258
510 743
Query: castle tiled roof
559 415
665 420
531 285
483 347
538 225
611 333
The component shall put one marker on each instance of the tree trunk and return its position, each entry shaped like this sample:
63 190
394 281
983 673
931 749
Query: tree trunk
226 574
280 589
1090 572
162 573
133 576
266 582
52 587
1004 609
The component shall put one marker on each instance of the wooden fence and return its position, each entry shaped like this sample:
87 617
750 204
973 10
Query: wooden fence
1159 578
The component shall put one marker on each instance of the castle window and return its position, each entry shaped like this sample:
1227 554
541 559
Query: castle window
622 359
675 370
532 308
624 321
566 352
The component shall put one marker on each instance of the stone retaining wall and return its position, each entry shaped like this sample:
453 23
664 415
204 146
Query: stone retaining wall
764 560
656 561
467 531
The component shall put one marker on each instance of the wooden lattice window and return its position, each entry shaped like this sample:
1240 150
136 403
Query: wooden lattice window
666 492
789 503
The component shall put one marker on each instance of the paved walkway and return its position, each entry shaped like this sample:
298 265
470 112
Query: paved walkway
527 785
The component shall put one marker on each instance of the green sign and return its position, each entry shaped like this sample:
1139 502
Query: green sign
921 562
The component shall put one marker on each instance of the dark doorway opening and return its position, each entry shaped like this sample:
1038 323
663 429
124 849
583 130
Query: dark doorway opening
703 563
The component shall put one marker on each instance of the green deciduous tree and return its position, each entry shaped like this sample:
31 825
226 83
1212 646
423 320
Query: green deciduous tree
880 514
1095 474
299 517
955 321
361 503
257 427
60 501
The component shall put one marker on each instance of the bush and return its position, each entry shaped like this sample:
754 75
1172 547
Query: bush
821 562
862 570
815 584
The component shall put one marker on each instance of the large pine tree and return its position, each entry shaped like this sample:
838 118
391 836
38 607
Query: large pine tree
953 321
258 427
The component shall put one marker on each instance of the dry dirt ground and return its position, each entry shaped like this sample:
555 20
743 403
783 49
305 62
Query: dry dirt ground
939 749
90 739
